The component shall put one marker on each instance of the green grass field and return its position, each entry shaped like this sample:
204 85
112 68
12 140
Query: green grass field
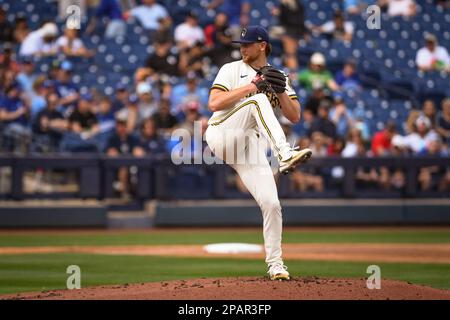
36 272
198 236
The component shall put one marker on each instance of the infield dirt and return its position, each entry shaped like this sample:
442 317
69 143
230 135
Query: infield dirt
307 288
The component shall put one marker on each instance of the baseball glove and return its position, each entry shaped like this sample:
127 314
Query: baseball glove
262 84
274 77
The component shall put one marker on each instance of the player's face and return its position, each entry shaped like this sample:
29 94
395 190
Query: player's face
250 52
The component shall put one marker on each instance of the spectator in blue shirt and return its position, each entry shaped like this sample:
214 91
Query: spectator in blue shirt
66 89
116 26
40 91
14 115
105 115
189 90
27 76
120 98
347 78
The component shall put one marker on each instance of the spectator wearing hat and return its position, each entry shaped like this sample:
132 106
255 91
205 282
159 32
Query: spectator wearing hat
121 143
316 73
189 32
150 14
338 28
49 126
443 123
41 42
341 116
72 46
189 90
147 105
66 89
83 126
323 124
348 78
432 57
116 26
14 113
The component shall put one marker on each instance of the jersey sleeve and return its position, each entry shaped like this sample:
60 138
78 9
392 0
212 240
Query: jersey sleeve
290 89
223 79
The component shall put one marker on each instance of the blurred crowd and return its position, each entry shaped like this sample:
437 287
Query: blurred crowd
47 112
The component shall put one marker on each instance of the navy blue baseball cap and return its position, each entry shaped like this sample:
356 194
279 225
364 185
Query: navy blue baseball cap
252 34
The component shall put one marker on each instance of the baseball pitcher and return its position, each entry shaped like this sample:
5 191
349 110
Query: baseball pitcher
243 97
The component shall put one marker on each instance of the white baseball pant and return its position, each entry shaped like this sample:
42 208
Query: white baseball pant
244 121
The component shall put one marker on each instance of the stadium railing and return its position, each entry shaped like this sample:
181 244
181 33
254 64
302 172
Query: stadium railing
159 178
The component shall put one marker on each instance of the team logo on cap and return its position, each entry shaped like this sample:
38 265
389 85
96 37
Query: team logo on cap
244 32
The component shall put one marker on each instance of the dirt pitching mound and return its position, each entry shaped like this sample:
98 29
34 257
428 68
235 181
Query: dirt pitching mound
305 288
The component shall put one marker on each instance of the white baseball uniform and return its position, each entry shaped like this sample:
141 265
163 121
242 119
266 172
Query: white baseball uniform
253 114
